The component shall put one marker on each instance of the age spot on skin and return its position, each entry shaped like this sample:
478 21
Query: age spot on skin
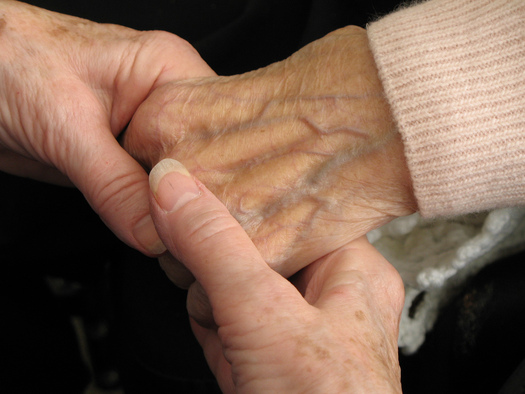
360 315
3 24
306 347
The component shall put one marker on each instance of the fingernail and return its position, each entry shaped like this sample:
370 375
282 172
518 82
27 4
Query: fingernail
172 185
146 235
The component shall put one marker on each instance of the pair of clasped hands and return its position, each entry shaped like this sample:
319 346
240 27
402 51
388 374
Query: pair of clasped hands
285 169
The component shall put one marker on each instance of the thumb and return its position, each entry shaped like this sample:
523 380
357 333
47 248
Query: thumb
200 232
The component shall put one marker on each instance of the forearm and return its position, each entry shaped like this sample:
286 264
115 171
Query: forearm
454 74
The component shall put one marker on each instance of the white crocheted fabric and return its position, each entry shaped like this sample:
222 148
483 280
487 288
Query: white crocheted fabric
435 257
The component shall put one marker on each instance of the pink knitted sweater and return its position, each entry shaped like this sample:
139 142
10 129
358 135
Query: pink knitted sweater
454 74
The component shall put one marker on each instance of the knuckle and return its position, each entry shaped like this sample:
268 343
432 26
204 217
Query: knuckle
168 44
211 226
111 195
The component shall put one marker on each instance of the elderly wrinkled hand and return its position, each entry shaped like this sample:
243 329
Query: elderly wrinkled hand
68 87
303 152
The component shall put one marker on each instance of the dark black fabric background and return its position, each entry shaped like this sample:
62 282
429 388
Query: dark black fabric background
47 230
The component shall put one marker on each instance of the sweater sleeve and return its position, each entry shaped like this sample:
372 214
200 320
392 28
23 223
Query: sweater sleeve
454 74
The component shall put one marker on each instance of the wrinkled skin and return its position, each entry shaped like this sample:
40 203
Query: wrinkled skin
68 88
304 152
337 334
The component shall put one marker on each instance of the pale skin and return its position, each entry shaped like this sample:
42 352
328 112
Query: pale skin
307 168
304 152
335 331
68 87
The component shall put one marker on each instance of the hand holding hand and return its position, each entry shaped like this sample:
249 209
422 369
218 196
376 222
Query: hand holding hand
336 332
68 87
303 153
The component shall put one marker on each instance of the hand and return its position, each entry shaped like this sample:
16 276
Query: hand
304 153
68 87
336 332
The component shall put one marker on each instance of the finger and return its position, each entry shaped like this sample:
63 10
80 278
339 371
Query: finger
116 187
199 307
182 61
214 353
197 228
176 271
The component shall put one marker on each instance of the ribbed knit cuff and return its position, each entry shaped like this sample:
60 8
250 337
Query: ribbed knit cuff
454 74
